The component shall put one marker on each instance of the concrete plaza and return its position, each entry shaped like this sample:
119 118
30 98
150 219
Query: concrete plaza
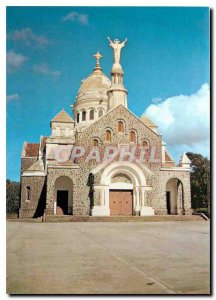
108 258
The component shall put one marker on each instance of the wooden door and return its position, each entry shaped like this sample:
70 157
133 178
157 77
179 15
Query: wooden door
121 202
127 203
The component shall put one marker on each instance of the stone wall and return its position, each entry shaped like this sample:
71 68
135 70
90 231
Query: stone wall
109 121
85 191
157 179
26 163
36 205
158 193
121 178
79 178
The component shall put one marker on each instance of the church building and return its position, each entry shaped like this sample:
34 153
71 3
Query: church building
104 161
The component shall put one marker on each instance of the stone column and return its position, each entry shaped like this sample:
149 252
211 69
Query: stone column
142 196
145 210
50 197
187 196
179 199
137 200
103 208
102 196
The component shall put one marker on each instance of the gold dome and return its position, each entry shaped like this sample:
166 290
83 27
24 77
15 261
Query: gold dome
95 82
94 86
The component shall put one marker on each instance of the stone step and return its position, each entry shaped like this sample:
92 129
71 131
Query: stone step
158 218
27 220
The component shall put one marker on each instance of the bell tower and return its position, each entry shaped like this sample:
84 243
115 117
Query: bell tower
117 94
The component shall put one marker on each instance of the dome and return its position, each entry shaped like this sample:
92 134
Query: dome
92 99
95 86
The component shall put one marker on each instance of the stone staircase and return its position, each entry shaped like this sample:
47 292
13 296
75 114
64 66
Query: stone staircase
159 218
27 220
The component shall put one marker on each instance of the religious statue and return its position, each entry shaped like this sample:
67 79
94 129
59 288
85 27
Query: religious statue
116 45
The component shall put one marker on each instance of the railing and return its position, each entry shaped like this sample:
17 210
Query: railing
202 215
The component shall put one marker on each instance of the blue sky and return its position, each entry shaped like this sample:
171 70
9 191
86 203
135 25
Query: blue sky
49 51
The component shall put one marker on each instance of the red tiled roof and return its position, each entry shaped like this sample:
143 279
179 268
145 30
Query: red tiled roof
31 150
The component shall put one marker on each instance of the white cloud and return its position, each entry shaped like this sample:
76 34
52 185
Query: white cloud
15 61
156 100
45 70
29 38
76 17
12 97
184 120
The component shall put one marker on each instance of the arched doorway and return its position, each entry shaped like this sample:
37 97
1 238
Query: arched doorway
174 196
122 188
121 195
63 196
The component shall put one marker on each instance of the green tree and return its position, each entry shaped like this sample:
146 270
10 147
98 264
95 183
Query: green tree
12 196
200 180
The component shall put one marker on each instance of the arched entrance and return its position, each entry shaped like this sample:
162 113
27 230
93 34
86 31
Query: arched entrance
121 195
122 180
174 196
123 189
63 196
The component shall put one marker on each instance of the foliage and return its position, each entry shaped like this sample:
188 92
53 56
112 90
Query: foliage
203 210
12 196
200 180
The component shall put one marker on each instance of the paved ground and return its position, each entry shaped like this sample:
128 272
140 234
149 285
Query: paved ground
108 258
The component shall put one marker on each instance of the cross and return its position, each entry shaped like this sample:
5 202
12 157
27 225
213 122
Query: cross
98 56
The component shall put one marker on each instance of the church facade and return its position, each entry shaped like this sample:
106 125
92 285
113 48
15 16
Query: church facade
106 161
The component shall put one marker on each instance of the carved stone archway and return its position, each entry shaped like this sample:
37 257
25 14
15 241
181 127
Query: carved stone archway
137 185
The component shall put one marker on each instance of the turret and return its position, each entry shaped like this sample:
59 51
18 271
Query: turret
91 100
117 94
184 161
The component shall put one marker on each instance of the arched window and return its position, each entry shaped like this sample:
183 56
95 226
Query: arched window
28 193
132 137
100 114
108 135
91 116
78 116
145 143
83 116
95 142
120 126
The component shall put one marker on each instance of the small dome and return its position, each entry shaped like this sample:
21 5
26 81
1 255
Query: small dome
95 86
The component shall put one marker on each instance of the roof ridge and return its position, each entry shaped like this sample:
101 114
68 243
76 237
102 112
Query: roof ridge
63 117
147 119
38 165
112 109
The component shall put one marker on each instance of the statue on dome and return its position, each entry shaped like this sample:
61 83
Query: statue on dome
117 46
